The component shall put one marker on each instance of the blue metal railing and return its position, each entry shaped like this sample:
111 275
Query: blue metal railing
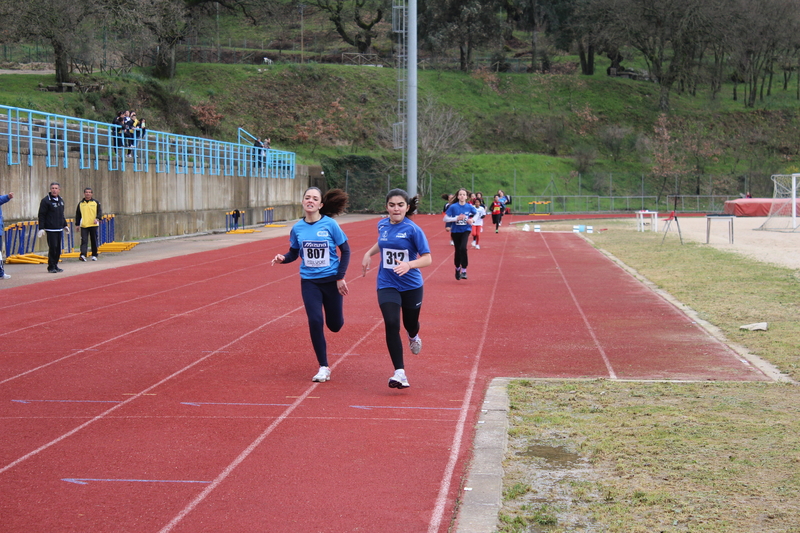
99 143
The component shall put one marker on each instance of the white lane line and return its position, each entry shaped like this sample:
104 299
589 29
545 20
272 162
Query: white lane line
247 451
140 394
368 407
611 373
86 480
455 448
197 404
142 328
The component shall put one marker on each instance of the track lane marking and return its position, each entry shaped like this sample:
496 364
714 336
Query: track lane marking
458 436
102 415
611 373
253 445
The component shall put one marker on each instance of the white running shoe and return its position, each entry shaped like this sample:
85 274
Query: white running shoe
94 258
451 243
323 375
399 380
477 246
473 244
415 344
5 276
82 258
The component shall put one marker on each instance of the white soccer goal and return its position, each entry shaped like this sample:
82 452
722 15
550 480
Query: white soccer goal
784 209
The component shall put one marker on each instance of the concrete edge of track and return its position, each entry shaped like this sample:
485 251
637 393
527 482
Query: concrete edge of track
483 491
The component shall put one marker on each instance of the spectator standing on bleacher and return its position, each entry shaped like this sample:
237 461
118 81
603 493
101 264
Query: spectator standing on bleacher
4 198
258 153
87 217
117 131
127 131
52 223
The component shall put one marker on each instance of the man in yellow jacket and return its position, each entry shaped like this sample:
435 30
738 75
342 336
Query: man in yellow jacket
88 216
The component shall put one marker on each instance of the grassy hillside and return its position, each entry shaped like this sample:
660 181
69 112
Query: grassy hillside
528 132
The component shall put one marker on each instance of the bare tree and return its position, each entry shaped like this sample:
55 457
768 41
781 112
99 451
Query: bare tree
354 20
58 21
764 29
666 33
466 24
442 135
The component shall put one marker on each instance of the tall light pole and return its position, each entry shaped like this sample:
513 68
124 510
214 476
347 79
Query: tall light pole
411 132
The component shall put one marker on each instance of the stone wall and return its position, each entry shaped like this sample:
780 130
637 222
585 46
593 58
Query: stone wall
150 204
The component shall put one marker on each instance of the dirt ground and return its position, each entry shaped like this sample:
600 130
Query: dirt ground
23 71
768 246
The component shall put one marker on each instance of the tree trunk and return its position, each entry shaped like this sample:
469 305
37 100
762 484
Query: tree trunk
586 55
61 59
165 61
663 99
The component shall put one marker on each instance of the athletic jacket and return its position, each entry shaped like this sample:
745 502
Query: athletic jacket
3 199
87 213
51 214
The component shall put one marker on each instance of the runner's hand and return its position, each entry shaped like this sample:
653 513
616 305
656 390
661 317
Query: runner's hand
402 268
342 286
365 264
278 259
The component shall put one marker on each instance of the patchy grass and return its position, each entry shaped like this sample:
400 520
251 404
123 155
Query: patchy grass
670 457
717 457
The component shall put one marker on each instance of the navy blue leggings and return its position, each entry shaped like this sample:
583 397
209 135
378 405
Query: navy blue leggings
391 301
316 297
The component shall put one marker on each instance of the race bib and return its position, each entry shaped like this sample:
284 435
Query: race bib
392 258
316 254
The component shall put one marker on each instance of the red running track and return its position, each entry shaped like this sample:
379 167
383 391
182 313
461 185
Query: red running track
176 395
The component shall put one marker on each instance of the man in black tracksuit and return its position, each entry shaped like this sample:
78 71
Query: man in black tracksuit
52 222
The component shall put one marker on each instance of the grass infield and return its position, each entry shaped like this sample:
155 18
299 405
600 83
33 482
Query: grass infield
632 457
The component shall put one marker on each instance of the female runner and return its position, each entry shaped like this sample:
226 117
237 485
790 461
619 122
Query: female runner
314 239
461 214
404 250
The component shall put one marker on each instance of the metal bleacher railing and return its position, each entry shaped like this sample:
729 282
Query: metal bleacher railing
99 143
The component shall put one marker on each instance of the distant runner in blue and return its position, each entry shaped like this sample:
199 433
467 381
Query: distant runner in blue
314 240
404 250
461 214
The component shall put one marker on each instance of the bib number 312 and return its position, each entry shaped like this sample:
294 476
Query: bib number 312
392 258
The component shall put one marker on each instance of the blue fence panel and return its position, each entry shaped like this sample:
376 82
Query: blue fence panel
96 141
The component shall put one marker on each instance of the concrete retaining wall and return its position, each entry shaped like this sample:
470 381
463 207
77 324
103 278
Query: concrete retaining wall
150 204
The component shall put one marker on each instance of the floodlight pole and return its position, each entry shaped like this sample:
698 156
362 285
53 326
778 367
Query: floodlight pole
411 117
794 200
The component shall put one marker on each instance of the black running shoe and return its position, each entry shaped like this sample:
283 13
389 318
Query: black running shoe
458 273
463 275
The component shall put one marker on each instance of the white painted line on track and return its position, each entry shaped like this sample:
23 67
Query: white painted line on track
102 415
142 328
368 407
197 404
455 448
86 480
68 401
611 373
253 445
93 311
